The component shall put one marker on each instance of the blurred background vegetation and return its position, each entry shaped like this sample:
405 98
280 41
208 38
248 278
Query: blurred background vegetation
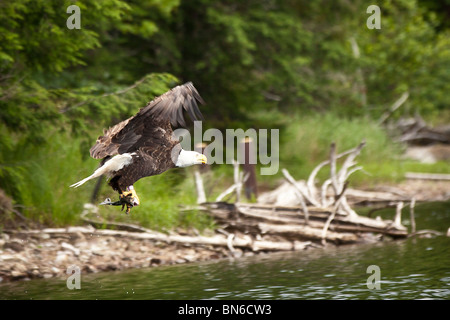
309 68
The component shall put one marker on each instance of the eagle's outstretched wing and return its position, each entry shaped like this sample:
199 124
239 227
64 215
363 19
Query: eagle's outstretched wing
151 126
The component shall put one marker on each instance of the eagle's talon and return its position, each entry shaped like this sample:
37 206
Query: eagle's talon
130 197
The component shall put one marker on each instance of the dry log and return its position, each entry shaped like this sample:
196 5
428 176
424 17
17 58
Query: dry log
246 218
416 131
427 176
426 232
363 198
244 242
306 232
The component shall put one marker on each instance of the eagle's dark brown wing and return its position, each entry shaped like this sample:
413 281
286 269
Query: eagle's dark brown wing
151 126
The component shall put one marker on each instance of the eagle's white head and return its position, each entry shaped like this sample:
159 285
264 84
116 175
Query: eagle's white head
189 158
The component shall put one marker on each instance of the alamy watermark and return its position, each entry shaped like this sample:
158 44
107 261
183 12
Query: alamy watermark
74 280
373 281
374 21
231 139
74 21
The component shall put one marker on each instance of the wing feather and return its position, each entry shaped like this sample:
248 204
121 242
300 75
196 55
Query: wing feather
151 126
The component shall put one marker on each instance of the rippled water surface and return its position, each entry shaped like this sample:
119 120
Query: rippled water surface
415 268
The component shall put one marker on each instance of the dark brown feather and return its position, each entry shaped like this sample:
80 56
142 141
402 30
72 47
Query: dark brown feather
149 135
142 130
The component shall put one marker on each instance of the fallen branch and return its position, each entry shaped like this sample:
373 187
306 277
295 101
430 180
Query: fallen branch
425 232
427 176
397 104
411 215
228 191
306 232
245 218
231 189
334 181
332 215
416 131
301 190
244 242
298 192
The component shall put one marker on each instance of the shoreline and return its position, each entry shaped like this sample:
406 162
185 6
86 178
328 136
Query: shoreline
47 253
25 256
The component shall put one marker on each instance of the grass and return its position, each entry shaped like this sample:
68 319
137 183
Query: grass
38 178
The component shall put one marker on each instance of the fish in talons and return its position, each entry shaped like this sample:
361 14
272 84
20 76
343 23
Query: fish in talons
128 198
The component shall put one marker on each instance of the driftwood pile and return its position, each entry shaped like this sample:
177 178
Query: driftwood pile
416 131
300 213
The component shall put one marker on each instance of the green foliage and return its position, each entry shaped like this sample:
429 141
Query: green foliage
407 54
37 178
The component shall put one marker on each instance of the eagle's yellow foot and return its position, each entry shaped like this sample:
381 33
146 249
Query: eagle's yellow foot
130 199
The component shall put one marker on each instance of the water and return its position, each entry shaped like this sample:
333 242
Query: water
415 268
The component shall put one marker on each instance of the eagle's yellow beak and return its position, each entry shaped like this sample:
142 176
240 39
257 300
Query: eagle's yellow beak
202 158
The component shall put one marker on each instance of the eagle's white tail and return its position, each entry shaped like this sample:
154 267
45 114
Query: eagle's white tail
92 176
114 164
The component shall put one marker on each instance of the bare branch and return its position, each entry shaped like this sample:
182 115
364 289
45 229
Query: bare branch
411 214
334 181
398 214
236 180
225 193
325 202
333 214
397 104
298 192
349 161
201 197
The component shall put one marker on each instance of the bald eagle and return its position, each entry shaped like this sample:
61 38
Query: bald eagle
144 145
